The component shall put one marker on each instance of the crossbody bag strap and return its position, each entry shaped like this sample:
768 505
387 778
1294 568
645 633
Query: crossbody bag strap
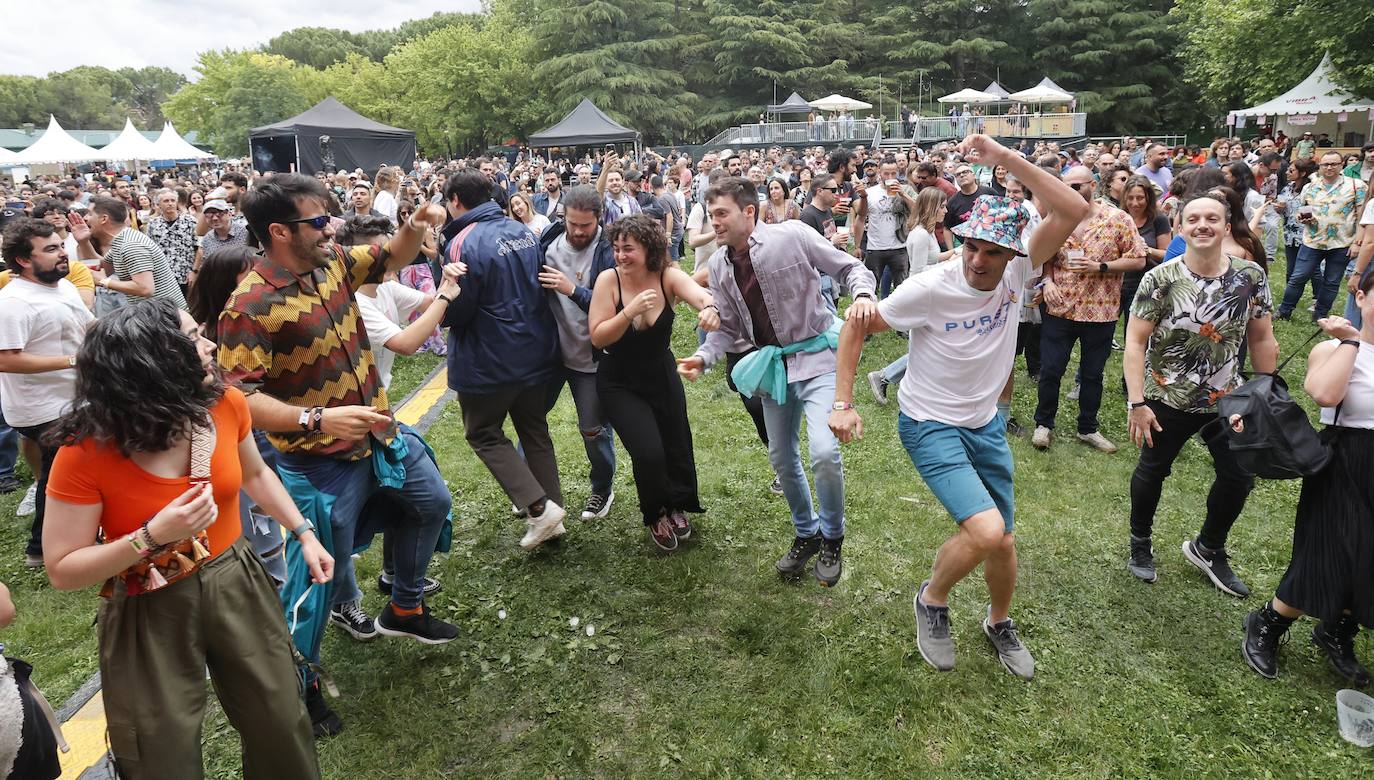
1305 342
202 448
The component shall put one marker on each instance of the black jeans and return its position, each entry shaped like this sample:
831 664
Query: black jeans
35 433
752 404
1230 488
895 260
1028 341
1057 336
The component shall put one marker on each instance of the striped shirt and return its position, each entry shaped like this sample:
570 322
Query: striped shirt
302 341
132 252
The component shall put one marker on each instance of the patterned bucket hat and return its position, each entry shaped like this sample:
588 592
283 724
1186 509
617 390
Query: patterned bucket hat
997 220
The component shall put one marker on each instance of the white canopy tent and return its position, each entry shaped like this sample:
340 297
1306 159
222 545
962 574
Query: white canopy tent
839 103
968 95
7 158
171 146
1315 105
129 145
1044 92
56 146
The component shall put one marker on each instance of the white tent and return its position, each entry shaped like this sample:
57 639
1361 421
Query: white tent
56 146
129 145
839 103
171 146
7 158
1316 94
1044 92
968 95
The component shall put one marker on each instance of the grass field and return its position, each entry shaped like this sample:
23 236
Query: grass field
704 664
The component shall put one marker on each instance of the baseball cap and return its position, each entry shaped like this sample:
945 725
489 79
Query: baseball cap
217 200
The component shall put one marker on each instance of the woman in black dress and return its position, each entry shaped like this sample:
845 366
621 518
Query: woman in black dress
631 321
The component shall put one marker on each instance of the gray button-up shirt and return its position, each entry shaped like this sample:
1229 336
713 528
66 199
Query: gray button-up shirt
788 259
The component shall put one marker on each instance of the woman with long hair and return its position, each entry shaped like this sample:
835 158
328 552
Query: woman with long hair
802 196
220 272
1287 204
1139 202
195 200
388 184
999 176
521 209
152 458
779 207
1113 183
1241 178
922 248
631 322
1330 576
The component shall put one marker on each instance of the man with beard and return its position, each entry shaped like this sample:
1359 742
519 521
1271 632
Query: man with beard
135 265
42 324
550 201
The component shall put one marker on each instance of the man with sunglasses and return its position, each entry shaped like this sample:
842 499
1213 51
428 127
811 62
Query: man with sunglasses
960 204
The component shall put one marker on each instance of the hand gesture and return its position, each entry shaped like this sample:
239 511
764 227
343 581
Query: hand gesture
641 304
317 559
79 229
428 217
448 283
708 318
1339 327
689 368
847 425
553 279
990 152
1143 424
187 515
351 422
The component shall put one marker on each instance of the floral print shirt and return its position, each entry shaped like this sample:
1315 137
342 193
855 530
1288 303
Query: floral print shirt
1192 358
178 241
1095 297
1336 212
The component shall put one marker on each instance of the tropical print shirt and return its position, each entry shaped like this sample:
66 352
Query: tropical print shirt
1336 208
178 241
1192 358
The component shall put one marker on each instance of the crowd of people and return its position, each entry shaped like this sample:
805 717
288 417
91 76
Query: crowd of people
196 365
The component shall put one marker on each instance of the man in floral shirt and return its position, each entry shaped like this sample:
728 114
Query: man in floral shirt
175 231
1183 343
1329 210
1082 292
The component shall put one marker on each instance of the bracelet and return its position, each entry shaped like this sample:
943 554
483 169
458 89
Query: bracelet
141 547
316 418
305 526
444 298
710 306
148 535
1137 405
1351 343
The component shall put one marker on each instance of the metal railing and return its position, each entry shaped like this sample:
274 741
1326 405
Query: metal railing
863 131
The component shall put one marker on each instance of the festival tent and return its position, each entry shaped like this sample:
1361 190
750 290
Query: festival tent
327 136
839 103
129 145
171 146
7 158
997 90
585 125
1044 92
1315 105
56 146
968 96
794 104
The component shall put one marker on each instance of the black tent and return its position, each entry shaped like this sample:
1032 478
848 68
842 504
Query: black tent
585 125
330 136
794 104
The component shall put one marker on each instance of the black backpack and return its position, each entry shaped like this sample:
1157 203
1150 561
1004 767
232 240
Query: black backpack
1268 431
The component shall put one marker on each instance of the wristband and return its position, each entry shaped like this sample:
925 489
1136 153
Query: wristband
1351 342
148 535
710 306
141 547
443 298
305 525
1137 404
841 406
316 418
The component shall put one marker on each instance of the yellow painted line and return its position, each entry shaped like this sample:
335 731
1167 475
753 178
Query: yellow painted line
424 399
85 732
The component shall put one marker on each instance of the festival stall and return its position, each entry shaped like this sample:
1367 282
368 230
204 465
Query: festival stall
585 125
329 137
1316 105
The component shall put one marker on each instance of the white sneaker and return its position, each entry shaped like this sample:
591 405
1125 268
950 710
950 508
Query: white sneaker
1041 438
30 503
544 527
1098 442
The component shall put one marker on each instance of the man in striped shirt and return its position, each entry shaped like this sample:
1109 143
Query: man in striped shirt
134 264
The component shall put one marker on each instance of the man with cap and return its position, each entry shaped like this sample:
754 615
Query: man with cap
962 322
224 229
1306 146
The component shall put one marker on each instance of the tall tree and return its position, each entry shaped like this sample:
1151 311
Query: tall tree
236 92
318 47
148 89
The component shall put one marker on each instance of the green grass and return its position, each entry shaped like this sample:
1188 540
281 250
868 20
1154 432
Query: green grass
705 664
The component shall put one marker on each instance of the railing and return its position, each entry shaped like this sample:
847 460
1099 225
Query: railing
864 131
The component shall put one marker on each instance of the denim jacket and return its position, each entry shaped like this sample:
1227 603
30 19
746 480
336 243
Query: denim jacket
788 259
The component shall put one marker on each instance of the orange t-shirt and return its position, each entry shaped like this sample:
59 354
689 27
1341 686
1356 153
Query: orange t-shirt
94 473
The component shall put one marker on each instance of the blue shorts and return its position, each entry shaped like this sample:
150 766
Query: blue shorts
968 469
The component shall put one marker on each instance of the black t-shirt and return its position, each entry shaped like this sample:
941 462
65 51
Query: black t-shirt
822 221
1151 231
961 205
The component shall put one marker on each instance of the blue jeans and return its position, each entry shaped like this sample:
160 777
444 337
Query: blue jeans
600 446
811 398
9 448
894 371
1352 312
1309 260
263 532
415 532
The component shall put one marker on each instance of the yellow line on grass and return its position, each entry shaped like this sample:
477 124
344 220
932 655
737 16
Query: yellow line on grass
85 733
424 399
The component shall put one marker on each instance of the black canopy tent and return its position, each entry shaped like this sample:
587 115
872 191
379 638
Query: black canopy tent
585 125
330 136
794 104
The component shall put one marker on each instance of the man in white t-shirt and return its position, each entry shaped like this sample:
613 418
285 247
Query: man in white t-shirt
42 324
962 319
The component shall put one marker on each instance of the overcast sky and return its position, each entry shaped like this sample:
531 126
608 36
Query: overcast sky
42 36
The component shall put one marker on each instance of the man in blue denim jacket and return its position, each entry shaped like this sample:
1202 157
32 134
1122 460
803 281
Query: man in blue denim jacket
766 282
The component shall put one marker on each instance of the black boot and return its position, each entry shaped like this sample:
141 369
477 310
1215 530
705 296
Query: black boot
323 721
1337 641
1263 629
803 548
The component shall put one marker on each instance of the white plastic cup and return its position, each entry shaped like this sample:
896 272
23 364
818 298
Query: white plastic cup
1355 716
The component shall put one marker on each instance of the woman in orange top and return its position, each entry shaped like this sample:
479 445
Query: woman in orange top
144 380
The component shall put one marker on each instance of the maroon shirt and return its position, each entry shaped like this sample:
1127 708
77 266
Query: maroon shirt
749 290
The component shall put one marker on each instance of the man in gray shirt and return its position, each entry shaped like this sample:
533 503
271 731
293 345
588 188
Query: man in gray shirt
575 252
135 265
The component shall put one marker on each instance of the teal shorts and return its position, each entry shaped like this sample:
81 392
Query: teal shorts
968 469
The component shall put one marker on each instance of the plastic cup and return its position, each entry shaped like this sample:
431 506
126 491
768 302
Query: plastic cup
1355 716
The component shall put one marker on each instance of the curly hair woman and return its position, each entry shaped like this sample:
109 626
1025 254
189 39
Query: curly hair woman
151 414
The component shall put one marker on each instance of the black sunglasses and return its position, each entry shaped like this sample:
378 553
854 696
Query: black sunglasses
315 222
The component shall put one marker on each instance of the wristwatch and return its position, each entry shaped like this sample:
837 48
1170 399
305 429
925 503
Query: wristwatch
444 298
1102 268
867 295
840 406
71 361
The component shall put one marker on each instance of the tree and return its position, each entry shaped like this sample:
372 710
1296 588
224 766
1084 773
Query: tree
22 99
237 91
86 97
148 89
318 47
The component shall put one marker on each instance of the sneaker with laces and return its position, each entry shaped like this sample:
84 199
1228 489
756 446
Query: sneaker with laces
29 503
829 564
385 579
324 722
1042 437
1142 563
1098 442
1260 645
1015 428
351 618
1216 565
544 527
800 553
1337 643
10 483
776 487
598 505
519 512
423 627
1007 642
682 527
933 637
662 535
878 385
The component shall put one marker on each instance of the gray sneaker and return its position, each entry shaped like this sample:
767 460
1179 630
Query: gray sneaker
1008 645
932 632
878 385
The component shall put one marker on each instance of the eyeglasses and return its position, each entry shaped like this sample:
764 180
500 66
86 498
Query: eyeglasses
1329 165
828 189
315 222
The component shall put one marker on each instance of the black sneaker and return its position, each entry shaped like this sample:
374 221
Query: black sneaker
1015 428
829 565
682 528
662 534
803 547
351 618
1260 647
1216 565
10 483
598 506
776 487
384 579
324 722
1337 643
1142 563
423 627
